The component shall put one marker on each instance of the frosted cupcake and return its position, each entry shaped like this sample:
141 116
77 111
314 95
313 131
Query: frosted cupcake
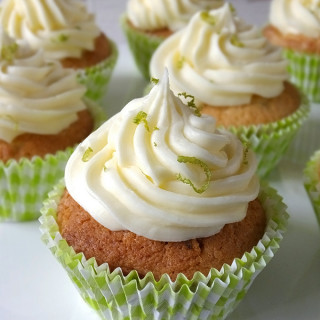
231 72
42 116
162 216
312 182
295 27
66 32
148 22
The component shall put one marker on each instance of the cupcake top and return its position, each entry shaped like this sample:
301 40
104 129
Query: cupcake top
62 28
36 96
161 170
221 60
296 17
172 14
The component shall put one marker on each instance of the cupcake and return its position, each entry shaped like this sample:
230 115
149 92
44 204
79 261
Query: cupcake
231 72
161 216
147 23
295 27
312 182
42 117
66 32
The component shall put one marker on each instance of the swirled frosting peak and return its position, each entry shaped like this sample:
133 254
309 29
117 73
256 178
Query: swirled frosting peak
162 171
296 17
172 14
36 96
62 28
220 60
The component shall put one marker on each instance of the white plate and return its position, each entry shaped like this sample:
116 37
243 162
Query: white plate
34 286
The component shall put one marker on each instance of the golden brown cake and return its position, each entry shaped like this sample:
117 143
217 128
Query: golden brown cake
298 42
129 251
260 110
31 144
102 50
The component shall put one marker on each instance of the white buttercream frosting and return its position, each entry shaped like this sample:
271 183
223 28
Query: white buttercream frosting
128 174
221 60
172 14
36 96
62 28
296 17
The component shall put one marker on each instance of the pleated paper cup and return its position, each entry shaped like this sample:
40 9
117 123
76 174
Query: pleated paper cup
304 70
270 141
25 183
142 46
312 182
117 296
96 78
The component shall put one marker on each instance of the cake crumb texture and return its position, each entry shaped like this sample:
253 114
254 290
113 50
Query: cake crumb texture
102 50
133 252
260 110
297 42
30 144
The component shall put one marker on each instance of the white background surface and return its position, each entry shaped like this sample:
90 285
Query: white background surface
34 286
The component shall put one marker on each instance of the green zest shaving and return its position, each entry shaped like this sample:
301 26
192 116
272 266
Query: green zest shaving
235 41
232 8
87 155
205 16
204 166
155 80
191 103
141 117
155 144
180 62
63 38
8 52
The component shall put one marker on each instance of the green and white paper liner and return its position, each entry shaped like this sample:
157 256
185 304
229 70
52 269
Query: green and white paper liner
116 296
96 78
24 184
304 70
312 182
142 46
270 141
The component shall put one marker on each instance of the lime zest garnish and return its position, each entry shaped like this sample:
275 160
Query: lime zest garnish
63 37
105 168
155 144
60 38
232 8
235 41
180 62
191 103
87 155
8 52
205 16
196 161
155 80
141 117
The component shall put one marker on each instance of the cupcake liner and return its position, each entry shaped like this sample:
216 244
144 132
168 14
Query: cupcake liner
96 78
270 141
312 182
304 70
117 296
142 46
24 184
